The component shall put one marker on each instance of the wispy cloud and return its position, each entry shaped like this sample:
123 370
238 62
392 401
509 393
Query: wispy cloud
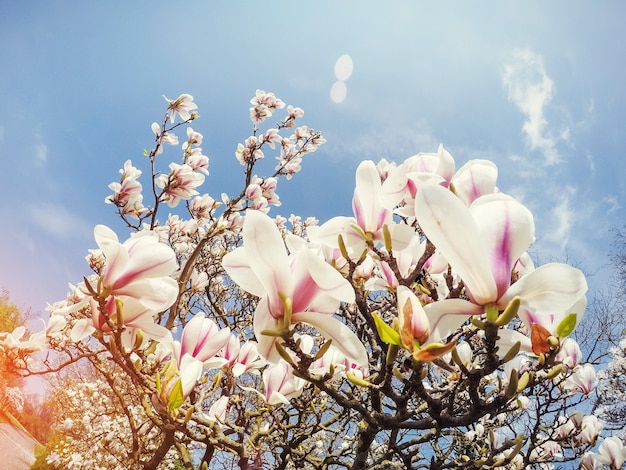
40 153
562 218
395 141
612 202
57 221
531 90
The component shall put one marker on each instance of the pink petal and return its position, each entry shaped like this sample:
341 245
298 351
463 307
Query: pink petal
506 229
268 258
449 225
367 201
474 179
446 316
156 294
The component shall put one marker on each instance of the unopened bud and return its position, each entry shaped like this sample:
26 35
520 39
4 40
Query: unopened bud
523 381
509 313
512 388
556 370
357 380
511 353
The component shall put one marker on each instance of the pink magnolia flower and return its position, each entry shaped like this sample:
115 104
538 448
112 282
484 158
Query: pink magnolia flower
612 452
292 289
583 379
135 317
474 179
406 260
183 105
569 353
423 168
372 210
244 358
127 194
139 268
179 184
482 243
414 324
589 429
546 451
202 339
218 410
193 138
590 461
264 104
197 160
280 383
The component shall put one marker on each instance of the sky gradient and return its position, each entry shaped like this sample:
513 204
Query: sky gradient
537 87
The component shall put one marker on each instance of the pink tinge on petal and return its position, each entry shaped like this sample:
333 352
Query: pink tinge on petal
305 291
501 260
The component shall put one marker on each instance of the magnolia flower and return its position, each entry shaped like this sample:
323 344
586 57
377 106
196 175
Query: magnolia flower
183 105
293 289
218 410
264 105
612 452
482 244
163 137
135 318
372 212
240 358
179 184
406 260
583 379
127 194
202 339
280 383
569 353
197 160
590 461
590 428
193 138
546 451
202 207
474 179
424 168
139 268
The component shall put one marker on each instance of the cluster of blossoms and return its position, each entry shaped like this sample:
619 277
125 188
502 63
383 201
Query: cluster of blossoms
354 339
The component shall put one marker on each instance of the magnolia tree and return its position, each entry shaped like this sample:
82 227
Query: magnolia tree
413 333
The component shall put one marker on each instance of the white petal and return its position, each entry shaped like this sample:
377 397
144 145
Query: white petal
342 337
449 225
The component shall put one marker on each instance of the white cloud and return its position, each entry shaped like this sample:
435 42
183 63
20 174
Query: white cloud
562 217
531 90
612 202
41 153
394 141
57 221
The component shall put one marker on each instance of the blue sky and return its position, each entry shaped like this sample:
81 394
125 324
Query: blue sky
538 87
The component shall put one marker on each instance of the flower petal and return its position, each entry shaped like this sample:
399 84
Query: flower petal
367 201
506 229
267 257
551 288
474 179
449 225
446 316
342 337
